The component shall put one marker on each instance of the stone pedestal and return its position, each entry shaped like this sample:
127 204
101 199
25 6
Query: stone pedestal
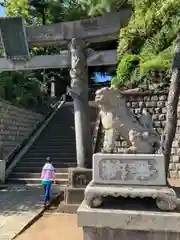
115 224
165 197
130 175
78 179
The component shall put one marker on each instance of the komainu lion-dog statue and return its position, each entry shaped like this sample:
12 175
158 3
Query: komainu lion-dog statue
118 120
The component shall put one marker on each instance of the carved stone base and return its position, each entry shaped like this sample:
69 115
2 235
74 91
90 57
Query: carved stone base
79 177
166 198
128 224
73 195
67 208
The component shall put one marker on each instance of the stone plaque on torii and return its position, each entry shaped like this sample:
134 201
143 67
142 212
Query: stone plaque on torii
76 33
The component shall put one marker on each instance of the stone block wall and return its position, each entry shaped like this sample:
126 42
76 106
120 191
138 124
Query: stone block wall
15 125
156 105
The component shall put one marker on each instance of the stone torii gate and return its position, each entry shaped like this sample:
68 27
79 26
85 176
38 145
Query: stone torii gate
16 40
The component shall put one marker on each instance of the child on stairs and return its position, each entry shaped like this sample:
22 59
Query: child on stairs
47 178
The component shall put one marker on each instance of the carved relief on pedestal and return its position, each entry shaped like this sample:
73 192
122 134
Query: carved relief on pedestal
126 170
79 178
129 169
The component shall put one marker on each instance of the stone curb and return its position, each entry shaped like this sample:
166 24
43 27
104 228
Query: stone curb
37 217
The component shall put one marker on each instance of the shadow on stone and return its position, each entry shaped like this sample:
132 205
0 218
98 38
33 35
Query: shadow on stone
138 204
177 190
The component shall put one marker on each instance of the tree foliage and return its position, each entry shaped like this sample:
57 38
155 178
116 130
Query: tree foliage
100 7
40 12
19 88
25 88
150 36
125 70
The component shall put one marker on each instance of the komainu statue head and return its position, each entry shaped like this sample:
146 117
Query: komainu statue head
108 98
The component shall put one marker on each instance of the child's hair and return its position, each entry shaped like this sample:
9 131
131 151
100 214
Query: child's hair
48 160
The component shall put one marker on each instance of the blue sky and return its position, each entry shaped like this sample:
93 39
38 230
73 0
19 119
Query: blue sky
101 78
1 9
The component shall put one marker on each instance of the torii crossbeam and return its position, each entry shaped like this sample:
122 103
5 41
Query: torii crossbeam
16 40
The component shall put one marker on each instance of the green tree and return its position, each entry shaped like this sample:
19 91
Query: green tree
15 8
150 36
40 12
19 87
100 7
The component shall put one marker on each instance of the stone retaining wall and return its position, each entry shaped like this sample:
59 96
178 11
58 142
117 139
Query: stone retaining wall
15 125
156 104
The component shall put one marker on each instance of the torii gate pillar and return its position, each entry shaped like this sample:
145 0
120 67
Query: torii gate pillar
79 88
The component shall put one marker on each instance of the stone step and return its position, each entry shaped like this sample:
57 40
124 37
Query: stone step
68 126
47 142
52 147
38 169
59 136
25 175
54 139
57 153
66 137
55 131
59 164
64 124
33 181
73 195
38 166
42 159
57 150
56 143
55 159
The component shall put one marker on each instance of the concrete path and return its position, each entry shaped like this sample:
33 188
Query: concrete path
54 227
19 204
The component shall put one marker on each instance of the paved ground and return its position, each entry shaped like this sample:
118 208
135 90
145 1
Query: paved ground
18 206
61 226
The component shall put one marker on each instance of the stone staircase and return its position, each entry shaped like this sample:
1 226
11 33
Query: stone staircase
56 141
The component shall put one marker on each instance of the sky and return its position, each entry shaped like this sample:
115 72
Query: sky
98 77
1 9
102 78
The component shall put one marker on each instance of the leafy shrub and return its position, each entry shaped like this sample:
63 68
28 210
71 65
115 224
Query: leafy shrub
124 71
150 35
161 61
